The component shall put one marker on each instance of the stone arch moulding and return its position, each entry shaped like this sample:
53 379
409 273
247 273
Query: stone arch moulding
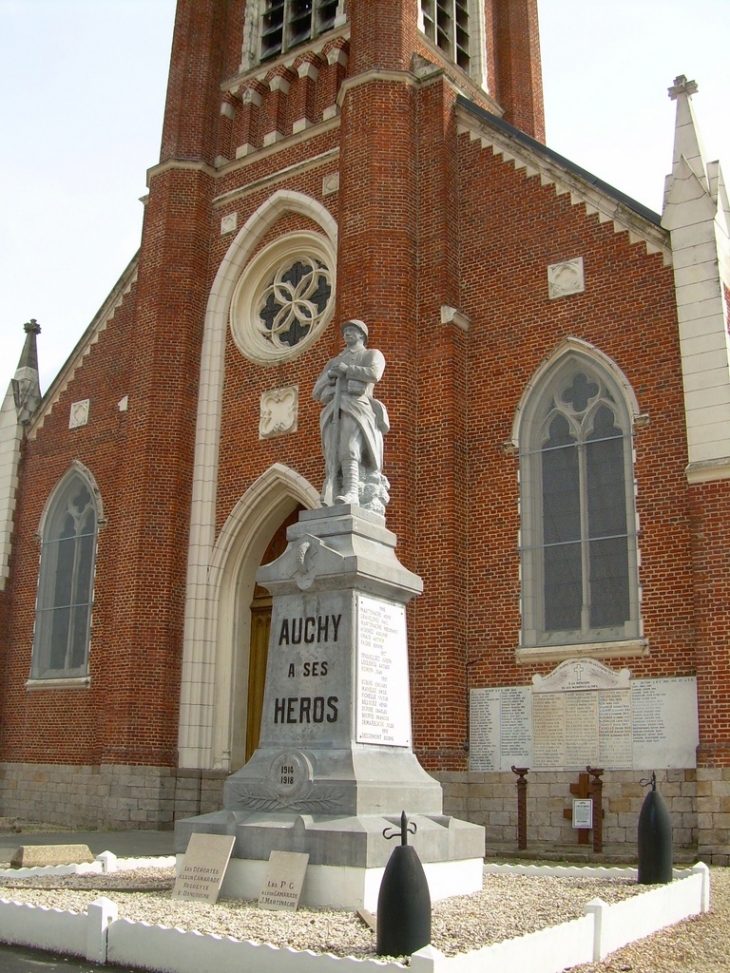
197 689
236 557
566 347
76 468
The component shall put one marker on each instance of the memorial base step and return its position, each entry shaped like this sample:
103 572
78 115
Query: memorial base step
344 887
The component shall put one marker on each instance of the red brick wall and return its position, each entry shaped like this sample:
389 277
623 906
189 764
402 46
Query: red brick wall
197 66
511 229
72 725
426 219
710 512
516 81
441 510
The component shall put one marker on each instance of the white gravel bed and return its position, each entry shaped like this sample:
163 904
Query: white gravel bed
508 906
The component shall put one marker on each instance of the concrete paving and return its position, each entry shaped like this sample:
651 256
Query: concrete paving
20 959
124 844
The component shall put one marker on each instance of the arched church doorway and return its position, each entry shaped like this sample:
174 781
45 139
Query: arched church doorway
259 641
254 534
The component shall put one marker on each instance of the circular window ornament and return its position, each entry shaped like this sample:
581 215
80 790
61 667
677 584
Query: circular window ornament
284 299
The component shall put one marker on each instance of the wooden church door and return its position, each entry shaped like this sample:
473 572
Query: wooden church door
258 656
259 644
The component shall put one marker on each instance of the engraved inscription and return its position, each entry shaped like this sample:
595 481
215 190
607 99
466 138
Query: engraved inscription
382 674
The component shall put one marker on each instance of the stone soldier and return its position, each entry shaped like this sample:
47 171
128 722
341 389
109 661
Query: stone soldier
353 423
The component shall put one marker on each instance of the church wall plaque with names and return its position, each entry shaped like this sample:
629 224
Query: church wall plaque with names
584 713
499 734
383 713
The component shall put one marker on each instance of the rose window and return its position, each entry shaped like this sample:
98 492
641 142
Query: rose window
285 298
294 301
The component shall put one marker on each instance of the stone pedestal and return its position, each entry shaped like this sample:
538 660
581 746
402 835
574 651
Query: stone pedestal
335 766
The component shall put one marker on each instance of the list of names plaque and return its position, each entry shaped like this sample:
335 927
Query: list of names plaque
383 710
500 734
584 714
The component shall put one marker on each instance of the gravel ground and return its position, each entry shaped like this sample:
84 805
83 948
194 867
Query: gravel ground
508 906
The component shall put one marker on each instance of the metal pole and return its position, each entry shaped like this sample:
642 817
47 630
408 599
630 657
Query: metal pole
521 806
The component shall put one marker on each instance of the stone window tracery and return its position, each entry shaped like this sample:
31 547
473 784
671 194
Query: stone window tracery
456 27
578 532
65 582
284 299
294 300
446 23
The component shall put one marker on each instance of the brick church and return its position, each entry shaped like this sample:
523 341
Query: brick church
558 384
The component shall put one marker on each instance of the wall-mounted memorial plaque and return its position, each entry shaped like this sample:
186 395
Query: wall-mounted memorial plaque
383 714
573 723
500 728
584 713
665 726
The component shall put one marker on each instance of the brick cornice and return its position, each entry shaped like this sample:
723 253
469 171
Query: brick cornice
320 128
281 175
596 201
317 47
375 74
180 165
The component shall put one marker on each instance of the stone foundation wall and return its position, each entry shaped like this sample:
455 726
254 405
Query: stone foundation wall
713 817
698 802
107 796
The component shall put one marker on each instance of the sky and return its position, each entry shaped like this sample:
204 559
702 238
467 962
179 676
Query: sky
82 91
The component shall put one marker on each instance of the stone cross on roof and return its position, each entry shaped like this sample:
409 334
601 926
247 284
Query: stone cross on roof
682 86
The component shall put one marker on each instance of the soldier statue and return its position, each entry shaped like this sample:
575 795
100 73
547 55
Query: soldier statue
353 423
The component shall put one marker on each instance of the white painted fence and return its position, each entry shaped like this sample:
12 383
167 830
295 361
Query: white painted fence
102 937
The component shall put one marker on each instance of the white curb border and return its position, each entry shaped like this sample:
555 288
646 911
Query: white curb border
102 937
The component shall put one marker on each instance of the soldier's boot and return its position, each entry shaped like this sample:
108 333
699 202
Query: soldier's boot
350 482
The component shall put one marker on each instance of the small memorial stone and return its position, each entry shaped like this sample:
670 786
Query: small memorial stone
40 856
284 880
204 867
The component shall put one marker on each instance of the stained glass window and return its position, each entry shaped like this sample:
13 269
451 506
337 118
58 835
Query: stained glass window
579 563
65 585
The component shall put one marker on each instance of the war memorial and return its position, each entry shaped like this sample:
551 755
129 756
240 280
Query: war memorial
335 766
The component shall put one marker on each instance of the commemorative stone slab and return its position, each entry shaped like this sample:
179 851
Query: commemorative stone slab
204 867
585 713
284 881
40 856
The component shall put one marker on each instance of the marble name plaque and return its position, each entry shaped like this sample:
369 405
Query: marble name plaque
203 868
584 714
284 880
383 701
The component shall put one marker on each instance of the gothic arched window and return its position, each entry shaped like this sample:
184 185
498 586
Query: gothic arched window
578 531
66 580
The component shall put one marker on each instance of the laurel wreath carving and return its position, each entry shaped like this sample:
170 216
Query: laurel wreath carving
264 797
